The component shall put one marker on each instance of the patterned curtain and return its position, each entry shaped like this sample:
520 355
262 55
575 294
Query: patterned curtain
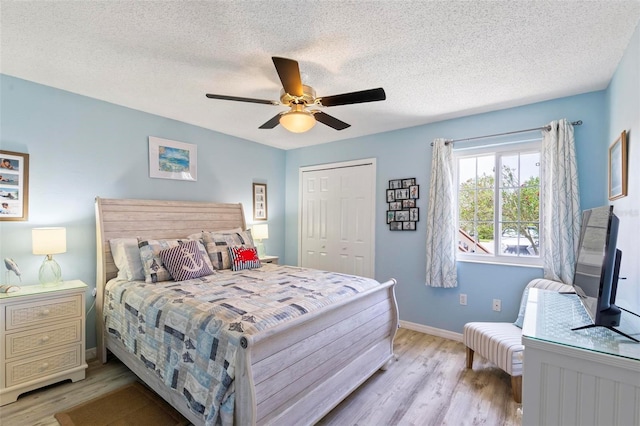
441 232
561 201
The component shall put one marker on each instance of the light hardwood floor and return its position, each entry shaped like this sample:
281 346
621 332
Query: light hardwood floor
427 385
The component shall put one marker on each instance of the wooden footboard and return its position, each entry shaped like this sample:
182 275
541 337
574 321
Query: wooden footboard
297 372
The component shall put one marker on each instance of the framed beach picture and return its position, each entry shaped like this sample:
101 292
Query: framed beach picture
14 186
172 160
618 168
259 201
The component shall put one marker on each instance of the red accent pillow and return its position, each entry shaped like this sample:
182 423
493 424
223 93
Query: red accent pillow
243 257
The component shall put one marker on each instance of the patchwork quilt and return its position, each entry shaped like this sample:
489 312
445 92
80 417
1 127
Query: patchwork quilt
188 332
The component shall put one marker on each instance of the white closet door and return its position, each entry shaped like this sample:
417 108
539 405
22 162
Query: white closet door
337 218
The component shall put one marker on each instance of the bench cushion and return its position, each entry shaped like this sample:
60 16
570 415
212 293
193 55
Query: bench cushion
499 342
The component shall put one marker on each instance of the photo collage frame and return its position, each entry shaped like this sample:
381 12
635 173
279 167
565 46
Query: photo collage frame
402 198
14 186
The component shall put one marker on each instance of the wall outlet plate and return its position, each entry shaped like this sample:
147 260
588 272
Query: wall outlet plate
497 305
463 299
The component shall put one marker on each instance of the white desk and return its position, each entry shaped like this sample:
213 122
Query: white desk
583 377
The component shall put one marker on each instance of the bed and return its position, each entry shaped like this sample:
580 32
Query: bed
293 371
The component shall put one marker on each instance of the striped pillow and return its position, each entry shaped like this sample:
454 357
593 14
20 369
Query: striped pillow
217 245
186 261
243 258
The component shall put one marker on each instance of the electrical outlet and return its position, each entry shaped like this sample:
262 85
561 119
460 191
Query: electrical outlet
463 299
94 292
497 305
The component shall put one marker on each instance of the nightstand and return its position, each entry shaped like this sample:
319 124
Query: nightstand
42 335
269 259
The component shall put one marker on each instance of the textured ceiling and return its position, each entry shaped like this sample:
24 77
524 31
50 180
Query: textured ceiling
435 60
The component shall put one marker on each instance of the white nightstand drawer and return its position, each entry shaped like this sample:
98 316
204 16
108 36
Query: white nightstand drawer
31 342
31 369
43 312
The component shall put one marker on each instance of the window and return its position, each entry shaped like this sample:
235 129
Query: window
498 203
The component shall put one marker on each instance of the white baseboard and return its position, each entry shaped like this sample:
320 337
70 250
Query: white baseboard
90 353
451 335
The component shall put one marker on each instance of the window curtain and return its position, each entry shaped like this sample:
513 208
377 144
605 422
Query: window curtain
561 201
441 232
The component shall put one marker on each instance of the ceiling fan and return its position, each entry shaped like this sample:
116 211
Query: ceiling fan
298 97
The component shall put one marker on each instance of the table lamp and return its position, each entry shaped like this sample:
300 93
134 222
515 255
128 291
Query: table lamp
49 241
260 232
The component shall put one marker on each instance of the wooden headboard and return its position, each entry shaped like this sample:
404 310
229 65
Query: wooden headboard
151 219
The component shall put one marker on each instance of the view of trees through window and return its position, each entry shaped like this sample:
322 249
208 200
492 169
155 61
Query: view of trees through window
503 217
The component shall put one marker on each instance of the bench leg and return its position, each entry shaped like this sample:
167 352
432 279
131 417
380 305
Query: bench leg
516 388
469 358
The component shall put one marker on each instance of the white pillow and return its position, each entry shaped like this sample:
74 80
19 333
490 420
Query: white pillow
126 256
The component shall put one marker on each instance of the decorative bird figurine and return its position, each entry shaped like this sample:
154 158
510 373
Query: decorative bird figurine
11 265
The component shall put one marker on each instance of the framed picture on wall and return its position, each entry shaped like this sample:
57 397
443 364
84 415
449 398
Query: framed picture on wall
395 205
406 183
414 191
391 195
391 216
259 201
14 186
172 160
402 197
618 167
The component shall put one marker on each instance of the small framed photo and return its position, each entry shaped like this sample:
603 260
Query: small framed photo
618 167
172 160
391 195
391 215
406 183
414 192
402 194
395 205
14 186
402 215
408 204
414 214
408 226
395 184
395 226
259 201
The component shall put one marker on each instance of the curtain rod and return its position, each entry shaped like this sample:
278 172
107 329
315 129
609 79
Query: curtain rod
547 128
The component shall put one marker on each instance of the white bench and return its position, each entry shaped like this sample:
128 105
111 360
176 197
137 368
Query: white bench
501 342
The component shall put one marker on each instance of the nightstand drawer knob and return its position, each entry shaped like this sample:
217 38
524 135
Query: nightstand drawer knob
44 366
44 312
44 339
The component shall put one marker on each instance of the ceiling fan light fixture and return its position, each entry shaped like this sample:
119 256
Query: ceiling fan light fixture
297 120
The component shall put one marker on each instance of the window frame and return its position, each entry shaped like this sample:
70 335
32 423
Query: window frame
499 150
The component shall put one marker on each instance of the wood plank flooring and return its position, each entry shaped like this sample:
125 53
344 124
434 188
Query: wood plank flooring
427 385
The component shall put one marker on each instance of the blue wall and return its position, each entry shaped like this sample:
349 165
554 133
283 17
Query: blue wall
623 103
80 148
407 153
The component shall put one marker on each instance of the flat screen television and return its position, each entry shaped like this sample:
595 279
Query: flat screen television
597 268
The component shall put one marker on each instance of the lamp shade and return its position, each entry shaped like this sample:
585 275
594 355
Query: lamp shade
49 240
298 120
260 231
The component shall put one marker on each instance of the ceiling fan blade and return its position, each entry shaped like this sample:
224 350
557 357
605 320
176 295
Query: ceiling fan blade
273 122
289 74
330 121
238 98
370 95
